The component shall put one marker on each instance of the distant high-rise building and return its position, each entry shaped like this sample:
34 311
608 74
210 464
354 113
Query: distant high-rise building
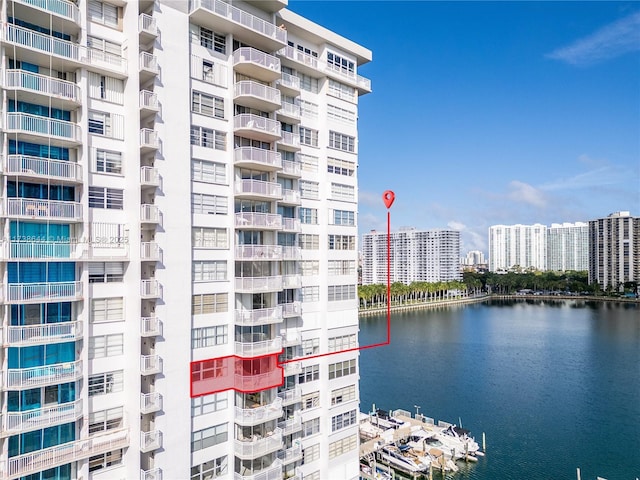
474 257
416 255
614 250
568 247
524 246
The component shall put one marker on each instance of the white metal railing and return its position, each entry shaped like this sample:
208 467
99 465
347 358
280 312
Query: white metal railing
150 440
149 99
150 402
288 80
153 474
290 109
256 122
255 89
150 326
61 8
291 253
43 333
256 219
150 364
66 452
292 368
258 155
34 208
292 338
272 472
18 422
290 138
149 176
290 425
290 396
100 58
241 17
259 284
149 62
259 252
43 292
150 251
150 213
293 309
290 455
363 82
45 375
298 56
291 224
258 316
292 168
36 82
150 288
291 281
147 24
256 447
44 43
258 187
42 167
290 196
259 414
50 127
255 349
44 250
148 138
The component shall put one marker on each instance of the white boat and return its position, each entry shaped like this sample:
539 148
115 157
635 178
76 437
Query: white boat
426 446
458 441
401 458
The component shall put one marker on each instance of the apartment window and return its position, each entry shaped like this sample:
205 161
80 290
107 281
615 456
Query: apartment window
341 63
308 83
208 138
309 268
106 345
341 167
107 309
309 189
308 163
209 336
308 241
312 476
341 267
102 49
311 454
308 109
342 369
106 88
213 41
341 114
310 427
341 141
310 400
202 237
208 404
342 242
345 445
310 294
105 420
211 469
106 272
105 460
208 437
209 271
107 382
342 342
343 420
99 123
309 374
209 303
343 395
109 198
309 215
107 161
340 90
308 136
340 191
104 13
342 217
209 204
311 346
206 104
208 172
339 293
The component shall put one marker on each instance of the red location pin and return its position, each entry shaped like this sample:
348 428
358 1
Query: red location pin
388 197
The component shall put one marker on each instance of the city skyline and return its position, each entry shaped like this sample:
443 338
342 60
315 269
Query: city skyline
519 113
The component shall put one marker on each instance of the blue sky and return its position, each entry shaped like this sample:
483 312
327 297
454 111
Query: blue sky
487 113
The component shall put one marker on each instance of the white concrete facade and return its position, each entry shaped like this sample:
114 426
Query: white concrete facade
179 184
568 247
517 245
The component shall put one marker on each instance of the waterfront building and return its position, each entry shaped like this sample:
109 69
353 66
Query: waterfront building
473 258
520 246
568 247
416 256
179 198
614 250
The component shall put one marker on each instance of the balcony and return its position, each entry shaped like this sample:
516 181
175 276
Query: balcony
291 281
291 224
106 62
148 65
258 316
150 252
293 309
259 252
149 177
150 289
253 157
289 84
19 422
150 402
292 425
26 335
149 103
43 169
149 140
290 455
256 127
66 453
294 368
272 472
304 63
258 189
289 112
153 474
362 84
41 129
291 396
291 169
225 18
290 197
291 338
150 441
40 251
150 214
258 446
29 84
256 220
31 208
147 27
289 140
43 292
150 326
150 364
256 95
25 378
258 284
255 345
258 414
66 15
291 253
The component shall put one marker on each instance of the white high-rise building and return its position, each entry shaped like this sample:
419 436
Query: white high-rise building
524 246
178 213
473 257
568 247
416 256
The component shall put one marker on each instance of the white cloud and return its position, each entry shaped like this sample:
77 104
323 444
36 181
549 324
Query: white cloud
521 192
370 198
610 41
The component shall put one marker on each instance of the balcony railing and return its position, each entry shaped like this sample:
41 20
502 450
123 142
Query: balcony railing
298 56
60 8
149 138
290 110
149 100
256 123
258 284
272 472
259 220
149 176
22 79
43 209
150 402
249 347
291 224
258 188
23 335
150 441
256 447
291 338
290 455
66 453
291 168
44 43
49 127
258 156
23 378
291 253
293 309
291 425
249 88
291 396
39 251
292 369
289 81
45 168
147 24
150 326
19 422
150 364
150 251
150 288
291 139
259 252
291 281
259 316
150 214
153 474
148 62
43 292
259 414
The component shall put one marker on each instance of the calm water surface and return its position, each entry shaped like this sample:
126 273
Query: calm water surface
554 385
